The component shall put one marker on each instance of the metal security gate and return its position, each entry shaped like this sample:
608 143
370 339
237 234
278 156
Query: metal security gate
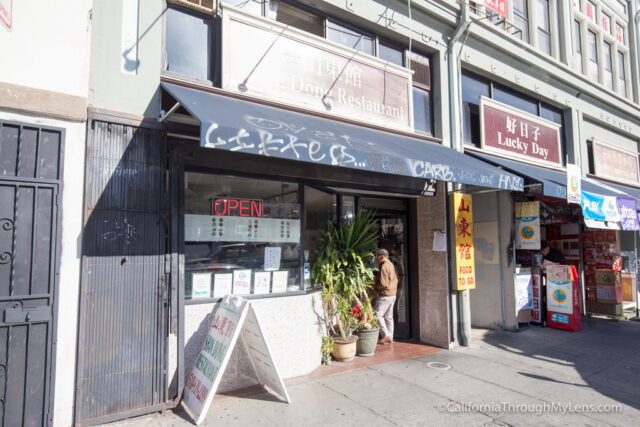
30 172
125 296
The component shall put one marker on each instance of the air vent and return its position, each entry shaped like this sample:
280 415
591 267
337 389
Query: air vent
421 69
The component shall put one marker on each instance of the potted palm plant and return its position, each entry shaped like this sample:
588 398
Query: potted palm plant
342 267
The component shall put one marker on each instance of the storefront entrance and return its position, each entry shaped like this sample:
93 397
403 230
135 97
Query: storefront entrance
391 214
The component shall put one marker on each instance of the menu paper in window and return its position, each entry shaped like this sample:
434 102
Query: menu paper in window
261 282
272 255
242 282
222 285
280 280
200 285
465 268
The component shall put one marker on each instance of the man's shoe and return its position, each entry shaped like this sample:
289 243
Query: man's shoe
382 341
386 340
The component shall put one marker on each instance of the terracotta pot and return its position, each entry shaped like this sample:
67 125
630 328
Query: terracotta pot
367 341
345 351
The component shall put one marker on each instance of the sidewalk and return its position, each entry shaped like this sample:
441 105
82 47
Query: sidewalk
525 378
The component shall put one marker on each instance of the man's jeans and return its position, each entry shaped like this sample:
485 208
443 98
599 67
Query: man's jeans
384 313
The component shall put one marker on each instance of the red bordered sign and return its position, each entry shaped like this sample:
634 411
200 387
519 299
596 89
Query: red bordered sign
6 12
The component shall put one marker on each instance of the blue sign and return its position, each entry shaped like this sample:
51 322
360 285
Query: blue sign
599 208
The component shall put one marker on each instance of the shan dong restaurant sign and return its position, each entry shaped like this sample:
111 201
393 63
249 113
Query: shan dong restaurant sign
515 134
273 61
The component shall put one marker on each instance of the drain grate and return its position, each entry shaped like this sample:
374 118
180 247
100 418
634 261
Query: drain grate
439 365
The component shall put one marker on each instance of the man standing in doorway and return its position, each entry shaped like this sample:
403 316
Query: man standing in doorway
385 286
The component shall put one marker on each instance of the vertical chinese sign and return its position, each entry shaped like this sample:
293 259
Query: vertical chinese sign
465 267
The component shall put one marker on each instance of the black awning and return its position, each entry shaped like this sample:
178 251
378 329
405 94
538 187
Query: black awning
554 182
247 127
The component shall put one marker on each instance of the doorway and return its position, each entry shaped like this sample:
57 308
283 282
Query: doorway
392 229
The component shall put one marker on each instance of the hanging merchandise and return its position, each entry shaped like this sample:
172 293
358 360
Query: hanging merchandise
528 225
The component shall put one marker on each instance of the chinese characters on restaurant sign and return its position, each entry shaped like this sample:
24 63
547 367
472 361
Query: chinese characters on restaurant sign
515 133
284 65
465 261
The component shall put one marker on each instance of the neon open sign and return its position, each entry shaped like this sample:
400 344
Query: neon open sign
237 207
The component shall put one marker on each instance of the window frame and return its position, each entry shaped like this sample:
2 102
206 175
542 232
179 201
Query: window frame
603 9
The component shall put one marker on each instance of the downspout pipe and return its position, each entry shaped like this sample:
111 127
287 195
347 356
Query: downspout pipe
464 304
634 48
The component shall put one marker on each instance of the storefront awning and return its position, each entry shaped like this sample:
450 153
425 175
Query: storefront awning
246 127
614 189
554 183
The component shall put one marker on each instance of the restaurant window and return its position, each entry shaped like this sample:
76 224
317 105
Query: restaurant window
298 18
320 211
592 51
606 63
350 38
189 43
242 236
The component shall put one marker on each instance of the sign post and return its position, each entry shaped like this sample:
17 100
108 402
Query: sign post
234 319
465 265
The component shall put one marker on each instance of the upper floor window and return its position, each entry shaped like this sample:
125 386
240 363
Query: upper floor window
298 18
544 28
350 38
532 21
604 23
577 47
521 19
189 43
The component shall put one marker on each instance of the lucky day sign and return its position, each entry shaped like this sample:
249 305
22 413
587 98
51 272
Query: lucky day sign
513 133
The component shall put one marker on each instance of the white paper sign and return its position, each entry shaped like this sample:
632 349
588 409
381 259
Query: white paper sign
272 255
524 292
241 282
200 285
234 319
439 241
222 285
574 187
280 281
261 282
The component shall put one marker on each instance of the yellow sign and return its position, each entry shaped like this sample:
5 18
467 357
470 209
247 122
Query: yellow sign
465 268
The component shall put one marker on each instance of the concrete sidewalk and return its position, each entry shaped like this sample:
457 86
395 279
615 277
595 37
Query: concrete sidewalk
525 378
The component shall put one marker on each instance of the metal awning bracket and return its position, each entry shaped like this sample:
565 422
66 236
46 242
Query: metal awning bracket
163 115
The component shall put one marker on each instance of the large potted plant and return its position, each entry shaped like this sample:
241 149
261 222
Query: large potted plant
342 268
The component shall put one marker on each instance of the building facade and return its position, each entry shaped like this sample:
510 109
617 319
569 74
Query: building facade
207 144
43 114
